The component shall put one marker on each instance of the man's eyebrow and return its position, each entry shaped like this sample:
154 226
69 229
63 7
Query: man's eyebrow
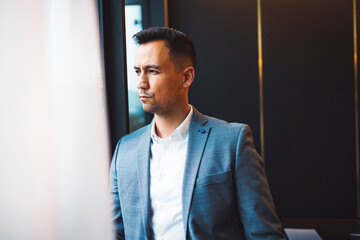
148 66
153 66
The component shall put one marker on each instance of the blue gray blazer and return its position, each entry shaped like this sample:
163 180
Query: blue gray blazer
225 193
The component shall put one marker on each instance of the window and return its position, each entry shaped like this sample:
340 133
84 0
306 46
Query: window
133 24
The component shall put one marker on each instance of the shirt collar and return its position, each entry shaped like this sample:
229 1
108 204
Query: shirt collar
182 129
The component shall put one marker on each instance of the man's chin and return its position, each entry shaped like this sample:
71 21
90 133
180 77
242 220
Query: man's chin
148 109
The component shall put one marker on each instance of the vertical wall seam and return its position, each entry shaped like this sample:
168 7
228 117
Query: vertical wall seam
260 63
356 109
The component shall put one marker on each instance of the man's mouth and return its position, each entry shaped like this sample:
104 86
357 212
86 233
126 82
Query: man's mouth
143 97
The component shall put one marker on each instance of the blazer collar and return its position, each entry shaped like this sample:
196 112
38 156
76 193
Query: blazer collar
198 135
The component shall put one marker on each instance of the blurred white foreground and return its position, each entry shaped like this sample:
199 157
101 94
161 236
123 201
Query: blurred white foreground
54 153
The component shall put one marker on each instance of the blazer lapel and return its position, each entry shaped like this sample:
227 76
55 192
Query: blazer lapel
143 170
198 135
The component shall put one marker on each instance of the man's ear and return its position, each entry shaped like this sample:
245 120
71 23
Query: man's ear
189 75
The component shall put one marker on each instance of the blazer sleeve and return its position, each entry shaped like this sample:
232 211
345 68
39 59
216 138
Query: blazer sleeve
255 204
116 208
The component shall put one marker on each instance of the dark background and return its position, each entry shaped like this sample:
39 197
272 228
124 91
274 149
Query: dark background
309 117
308 89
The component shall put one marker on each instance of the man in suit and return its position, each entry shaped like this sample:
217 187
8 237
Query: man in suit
186 175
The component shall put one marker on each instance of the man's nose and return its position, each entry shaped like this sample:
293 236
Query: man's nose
142 82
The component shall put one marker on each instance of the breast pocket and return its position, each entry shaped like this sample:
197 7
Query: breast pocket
213 199
215 178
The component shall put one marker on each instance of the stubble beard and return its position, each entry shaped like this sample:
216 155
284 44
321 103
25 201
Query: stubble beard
155 108
149 108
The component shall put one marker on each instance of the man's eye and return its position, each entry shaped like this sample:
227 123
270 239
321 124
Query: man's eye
137 72
153 71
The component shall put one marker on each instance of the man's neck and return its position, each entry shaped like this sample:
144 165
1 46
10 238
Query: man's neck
166 124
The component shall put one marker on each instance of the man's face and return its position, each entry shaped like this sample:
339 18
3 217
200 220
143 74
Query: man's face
160 85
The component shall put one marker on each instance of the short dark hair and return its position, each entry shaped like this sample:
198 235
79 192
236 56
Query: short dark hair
181 47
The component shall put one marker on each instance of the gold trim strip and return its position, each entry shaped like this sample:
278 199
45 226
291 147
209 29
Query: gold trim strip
356 110
166 13
260 61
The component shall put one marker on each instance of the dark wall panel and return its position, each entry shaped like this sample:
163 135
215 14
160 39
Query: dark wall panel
308 91
309 106
225 36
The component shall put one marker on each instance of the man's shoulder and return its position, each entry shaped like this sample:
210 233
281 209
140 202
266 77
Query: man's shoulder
223 125
215 122
223 134
136 135
220 126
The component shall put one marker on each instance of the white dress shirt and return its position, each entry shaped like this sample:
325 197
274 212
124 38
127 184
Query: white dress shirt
167 163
